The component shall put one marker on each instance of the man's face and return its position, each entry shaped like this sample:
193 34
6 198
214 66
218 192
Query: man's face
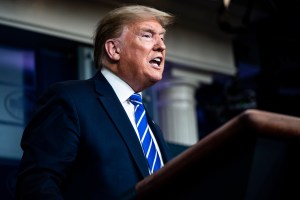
142 54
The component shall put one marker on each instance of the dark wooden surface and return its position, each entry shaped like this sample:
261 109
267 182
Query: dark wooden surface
234 162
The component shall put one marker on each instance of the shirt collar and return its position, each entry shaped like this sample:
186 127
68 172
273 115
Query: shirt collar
121 88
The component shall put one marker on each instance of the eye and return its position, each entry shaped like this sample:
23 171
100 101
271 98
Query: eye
147 35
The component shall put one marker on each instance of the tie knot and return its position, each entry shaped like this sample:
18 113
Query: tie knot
136 99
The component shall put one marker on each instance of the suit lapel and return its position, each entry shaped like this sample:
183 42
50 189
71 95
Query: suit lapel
115 110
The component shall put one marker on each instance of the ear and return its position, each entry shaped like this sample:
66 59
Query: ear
112 49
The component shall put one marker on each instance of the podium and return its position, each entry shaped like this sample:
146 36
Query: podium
254 156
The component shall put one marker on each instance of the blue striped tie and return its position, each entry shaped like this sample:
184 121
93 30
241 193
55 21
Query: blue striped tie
148 145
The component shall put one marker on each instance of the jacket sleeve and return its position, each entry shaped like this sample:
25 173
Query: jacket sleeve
50 144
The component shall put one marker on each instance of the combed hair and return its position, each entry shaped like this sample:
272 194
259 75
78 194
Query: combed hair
111 26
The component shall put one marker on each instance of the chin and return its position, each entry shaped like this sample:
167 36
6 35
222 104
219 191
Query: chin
155 80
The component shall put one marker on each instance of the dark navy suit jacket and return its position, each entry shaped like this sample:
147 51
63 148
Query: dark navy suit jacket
81 145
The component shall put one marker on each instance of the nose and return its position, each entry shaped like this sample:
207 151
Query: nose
159 45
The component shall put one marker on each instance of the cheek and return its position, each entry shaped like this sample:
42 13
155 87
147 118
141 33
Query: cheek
140 56
137 52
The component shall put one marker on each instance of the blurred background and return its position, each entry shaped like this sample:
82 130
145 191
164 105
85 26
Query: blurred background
223 57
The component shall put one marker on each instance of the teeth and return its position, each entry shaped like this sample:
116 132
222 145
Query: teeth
157 59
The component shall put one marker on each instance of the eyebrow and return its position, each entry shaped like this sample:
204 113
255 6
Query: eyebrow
148 29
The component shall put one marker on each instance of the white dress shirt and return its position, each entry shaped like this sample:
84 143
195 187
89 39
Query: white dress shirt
124 91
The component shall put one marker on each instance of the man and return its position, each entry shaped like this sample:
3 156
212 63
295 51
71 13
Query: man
83 143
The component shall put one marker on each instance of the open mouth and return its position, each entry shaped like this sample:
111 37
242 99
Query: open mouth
156 61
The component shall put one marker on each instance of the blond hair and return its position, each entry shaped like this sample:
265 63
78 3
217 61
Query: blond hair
112 24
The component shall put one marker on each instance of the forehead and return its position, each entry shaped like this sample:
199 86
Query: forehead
147 25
